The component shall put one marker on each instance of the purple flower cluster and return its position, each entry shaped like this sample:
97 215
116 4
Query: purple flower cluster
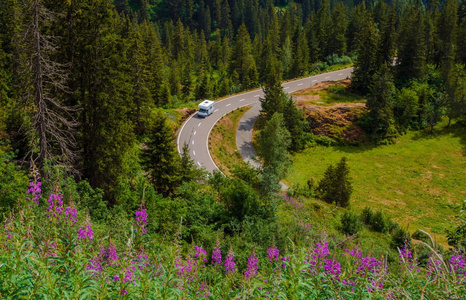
321 250
129 274
141 218
332 267
96 263
216 257
186 270
364 265
71 214
434 267
35 189
252 266
86 232
273 254
55 204
142 260
200 253
293 202
458 264
285 259
406 258
230 265
112 256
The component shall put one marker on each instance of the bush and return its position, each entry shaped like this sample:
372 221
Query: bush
400 238
379 222
335 59
350 223
338 89
325 141
366 215
376 221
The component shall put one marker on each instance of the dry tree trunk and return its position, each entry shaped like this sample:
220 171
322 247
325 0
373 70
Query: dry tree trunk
54 123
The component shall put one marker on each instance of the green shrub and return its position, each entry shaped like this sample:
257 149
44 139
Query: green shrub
350 223
366 215
379 222
325 141
338 89
400 237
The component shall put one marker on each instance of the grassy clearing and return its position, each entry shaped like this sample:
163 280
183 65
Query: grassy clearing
419 181
327 93
222 141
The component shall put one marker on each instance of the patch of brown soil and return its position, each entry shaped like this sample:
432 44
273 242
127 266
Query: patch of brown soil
186 113
337 121
323 85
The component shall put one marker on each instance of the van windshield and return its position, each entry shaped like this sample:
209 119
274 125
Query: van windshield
203 110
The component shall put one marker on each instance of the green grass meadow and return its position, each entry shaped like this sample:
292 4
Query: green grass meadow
419 181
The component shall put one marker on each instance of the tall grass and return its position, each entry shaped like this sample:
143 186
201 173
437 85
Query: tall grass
49 252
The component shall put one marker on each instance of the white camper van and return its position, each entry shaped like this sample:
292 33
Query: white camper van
206 108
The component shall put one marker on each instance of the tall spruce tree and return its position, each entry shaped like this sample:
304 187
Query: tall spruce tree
242 61
364 66
273 142
161 160
274 95
387 42
411 55
380 105
324 29
447 29
339 28
103 90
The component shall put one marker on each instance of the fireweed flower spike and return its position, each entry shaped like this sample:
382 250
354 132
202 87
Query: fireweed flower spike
273 254
230 265
216 257
200 253
85 231
71 214
35 186
252 266
141 218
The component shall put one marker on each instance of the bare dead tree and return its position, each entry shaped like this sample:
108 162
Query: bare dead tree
45 85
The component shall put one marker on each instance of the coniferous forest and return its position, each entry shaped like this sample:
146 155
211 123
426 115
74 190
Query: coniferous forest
97 202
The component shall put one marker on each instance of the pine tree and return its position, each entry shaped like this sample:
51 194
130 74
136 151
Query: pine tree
339 29
301 56
160 158
455 94
312 39
364 66
274 95
336 185
294 120
242 60
461 44
273 142
387 42
357 18
447 29
188 169
324 28
103 89
380 105
411 59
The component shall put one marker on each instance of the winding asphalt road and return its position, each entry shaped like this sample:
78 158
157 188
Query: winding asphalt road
195 131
